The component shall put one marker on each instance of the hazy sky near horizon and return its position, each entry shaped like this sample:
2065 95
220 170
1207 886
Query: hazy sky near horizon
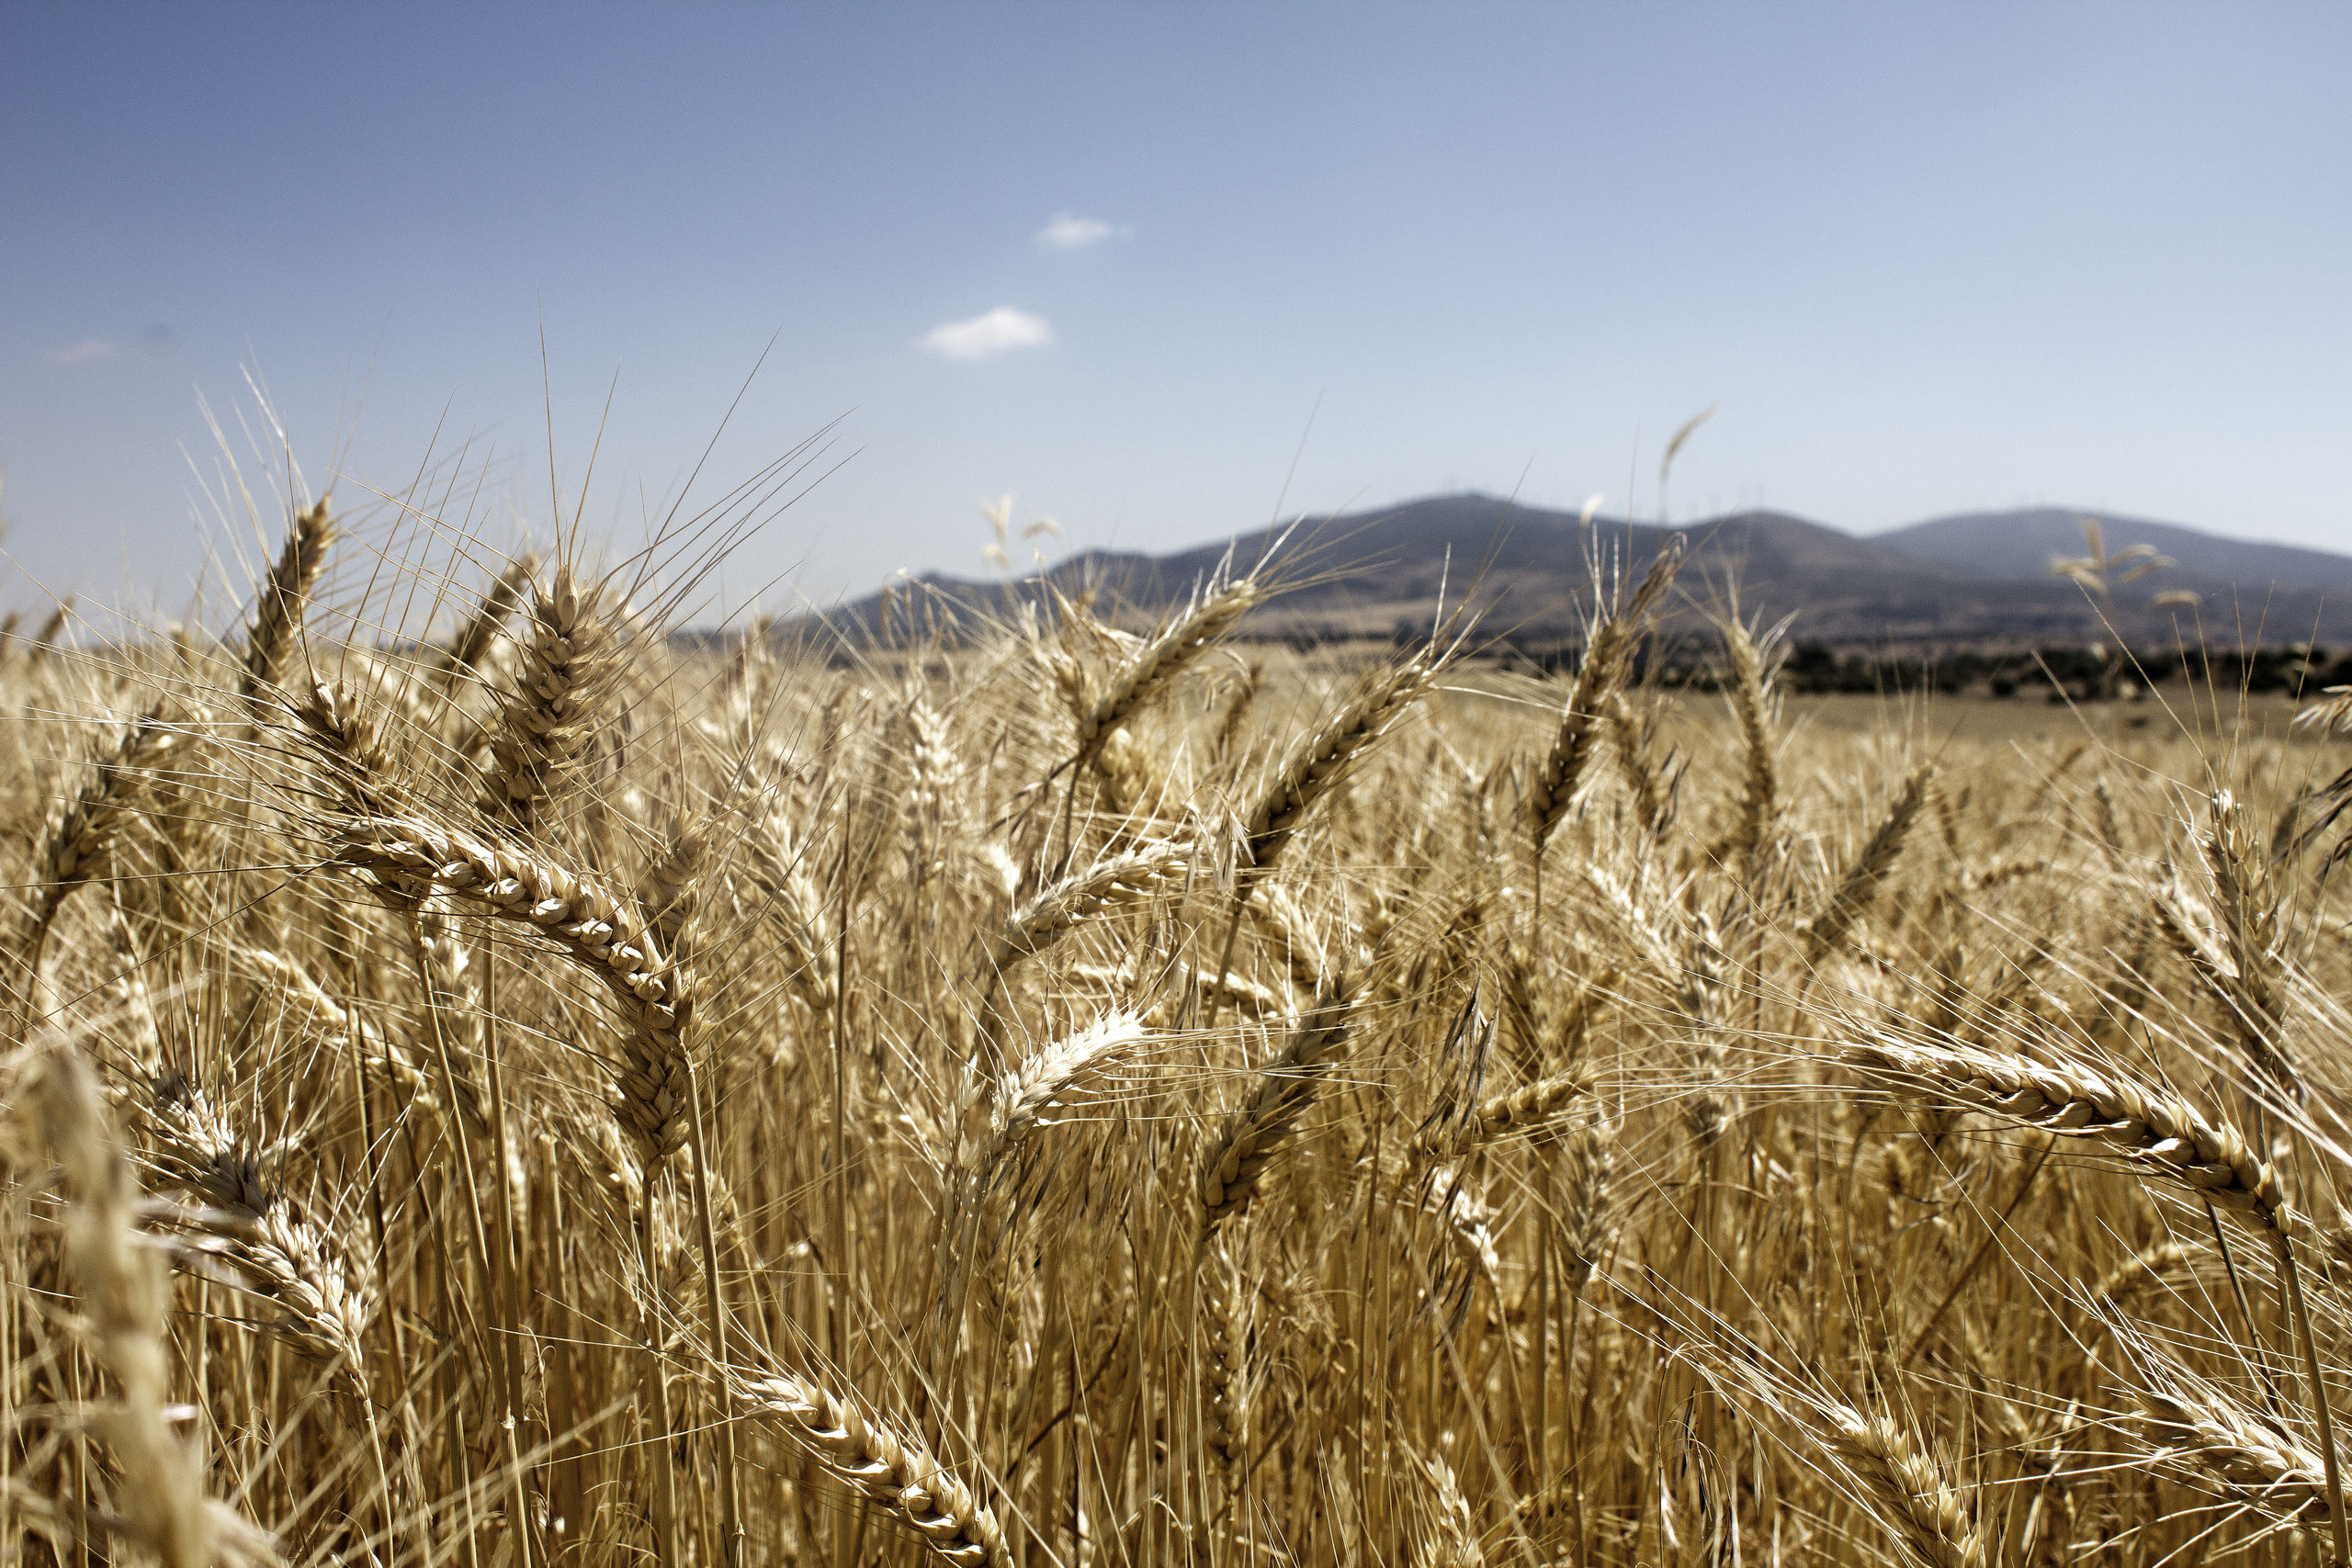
1115 259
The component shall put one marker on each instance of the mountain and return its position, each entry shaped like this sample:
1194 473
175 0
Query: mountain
1981 580
2023 545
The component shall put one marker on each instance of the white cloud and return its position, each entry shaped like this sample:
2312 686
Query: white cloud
84 352
1068 231
982 337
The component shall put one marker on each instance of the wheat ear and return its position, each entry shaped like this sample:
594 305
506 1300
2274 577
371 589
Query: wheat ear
1552 785
370 829
126 1294
1917 1504
1586 1219
1857 889
285 594
2161 1133
83 827
2254 984
2213 1441
1246 1142
998 1115
1147 671
1751 699
465 651
1225 1367
1319 765
1104 888
547 723
892 1469
324 1292
1498 1116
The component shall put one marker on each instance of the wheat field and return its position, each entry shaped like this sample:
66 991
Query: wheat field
490 1084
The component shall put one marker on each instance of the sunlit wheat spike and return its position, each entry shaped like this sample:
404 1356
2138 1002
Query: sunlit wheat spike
1552 787
2159 1133
1099 890
2253 985
1530 1106
325 1292
2207 1440
84 825
126 1294
467 651
1235 1157
1587 1220
1003 1114
285 595
548 722
482 871
1915 1503
890 1468
1213 609
1320 763
1857 889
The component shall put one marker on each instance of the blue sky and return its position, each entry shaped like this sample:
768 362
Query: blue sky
1923 258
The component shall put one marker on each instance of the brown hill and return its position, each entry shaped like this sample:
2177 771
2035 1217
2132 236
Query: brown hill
1530 573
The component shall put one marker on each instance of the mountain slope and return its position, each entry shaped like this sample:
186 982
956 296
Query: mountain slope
2023 545
1975 581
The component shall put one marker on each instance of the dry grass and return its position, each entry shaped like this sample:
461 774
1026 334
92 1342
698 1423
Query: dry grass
1095 1099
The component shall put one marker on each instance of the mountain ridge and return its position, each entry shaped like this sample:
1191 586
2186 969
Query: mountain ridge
1972 578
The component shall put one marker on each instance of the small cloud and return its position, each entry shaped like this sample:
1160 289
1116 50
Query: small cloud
982 337
1068 231
85 352
160 341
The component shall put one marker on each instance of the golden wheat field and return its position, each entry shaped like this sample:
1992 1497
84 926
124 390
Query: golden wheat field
487 1086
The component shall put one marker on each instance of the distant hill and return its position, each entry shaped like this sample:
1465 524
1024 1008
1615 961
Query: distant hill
1982 580
2023 543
